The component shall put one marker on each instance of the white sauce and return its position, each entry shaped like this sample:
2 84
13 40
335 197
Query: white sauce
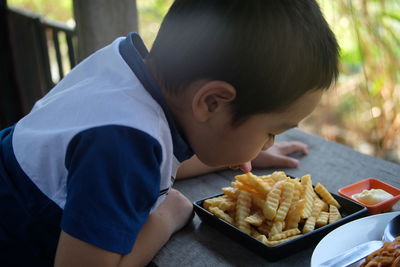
372 196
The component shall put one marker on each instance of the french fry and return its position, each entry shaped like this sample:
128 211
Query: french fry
279 176
325 207
265 228
255 219
272 201
287 196
334 214
258 201
262 238
276 228
298 189
326 196
322 219
309 225
243 210
230 192
285 234
221 214
307 196
222 202
294 215
317 207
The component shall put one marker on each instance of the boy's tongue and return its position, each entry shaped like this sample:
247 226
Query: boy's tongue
245 167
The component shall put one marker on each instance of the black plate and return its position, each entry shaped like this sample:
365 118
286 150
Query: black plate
349 210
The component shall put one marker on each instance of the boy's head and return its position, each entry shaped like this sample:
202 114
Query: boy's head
252 68
271 51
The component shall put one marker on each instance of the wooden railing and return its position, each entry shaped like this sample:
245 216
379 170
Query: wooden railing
54 29
40 53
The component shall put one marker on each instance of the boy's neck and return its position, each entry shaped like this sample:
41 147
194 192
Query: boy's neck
178 104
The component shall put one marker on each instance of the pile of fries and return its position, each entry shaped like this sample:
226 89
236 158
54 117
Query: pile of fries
274 208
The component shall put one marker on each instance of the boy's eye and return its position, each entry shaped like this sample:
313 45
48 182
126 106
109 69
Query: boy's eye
271 136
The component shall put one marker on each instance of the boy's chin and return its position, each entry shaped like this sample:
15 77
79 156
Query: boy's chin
213 163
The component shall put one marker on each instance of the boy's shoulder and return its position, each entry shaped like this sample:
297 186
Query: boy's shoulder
102 90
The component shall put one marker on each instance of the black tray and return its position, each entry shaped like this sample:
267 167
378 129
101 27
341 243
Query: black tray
349 210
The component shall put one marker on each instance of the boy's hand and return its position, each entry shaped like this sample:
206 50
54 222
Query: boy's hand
277 155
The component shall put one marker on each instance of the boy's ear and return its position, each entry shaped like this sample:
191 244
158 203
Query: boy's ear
211 98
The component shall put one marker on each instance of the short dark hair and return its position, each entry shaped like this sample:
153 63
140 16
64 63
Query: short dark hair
271 51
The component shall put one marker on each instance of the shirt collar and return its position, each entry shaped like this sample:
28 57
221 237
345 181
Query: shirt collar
133 51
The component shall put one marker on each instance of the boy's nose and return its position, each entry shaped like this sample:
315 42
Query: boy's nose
268 144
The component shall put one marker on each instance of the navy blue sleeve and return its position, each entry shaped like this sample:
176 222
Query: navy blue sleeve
113 182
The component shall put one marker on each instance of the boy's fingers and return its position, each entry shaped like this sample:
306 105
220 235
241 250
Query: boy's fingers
283 161
290 147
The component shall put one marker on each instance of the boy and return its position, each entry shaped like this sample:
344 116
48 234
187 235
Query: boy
98 154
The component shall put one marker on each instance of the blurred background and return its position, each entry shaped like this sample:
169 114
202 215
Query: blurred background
361 111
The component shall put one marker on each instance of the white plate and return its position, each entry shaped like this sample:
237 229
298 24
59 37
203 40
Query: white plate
350 235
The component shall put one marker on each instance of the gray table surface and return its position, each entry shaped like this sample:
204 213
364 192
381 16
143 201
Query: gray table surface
332 164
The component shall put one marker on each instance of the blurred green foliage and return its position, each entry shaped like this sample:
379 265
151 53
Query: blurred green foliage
151 13
60 10
363 110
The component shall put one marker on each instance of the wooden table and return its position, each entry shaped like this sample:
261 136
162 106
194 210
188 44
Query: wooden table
332 164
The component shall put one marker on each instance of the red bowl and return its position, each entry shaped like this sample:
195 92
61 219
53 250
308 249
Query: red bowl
372 183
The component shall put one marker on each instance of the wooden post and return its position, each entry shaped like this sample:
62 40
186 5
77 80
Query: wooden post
99 22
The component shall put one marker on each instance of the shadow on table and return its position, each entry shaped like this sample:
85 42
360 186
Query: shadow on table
233 252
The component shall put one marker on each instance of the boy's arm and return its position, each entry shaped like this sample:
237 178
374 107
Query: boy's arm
169 217
194 167
275 156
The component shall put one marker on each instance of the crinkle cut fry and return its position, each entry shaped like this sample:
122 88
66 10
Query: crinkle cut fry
243 210
276 228
285 234
287 196
326 196
309 225
272 201
221 214
298 189
255 219
308 195
294 214
222 202
322 219
231 192
334 214
258 201
317 207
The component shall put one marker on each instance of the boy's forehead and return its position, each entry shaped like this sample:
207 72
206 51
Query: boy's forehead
298 110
